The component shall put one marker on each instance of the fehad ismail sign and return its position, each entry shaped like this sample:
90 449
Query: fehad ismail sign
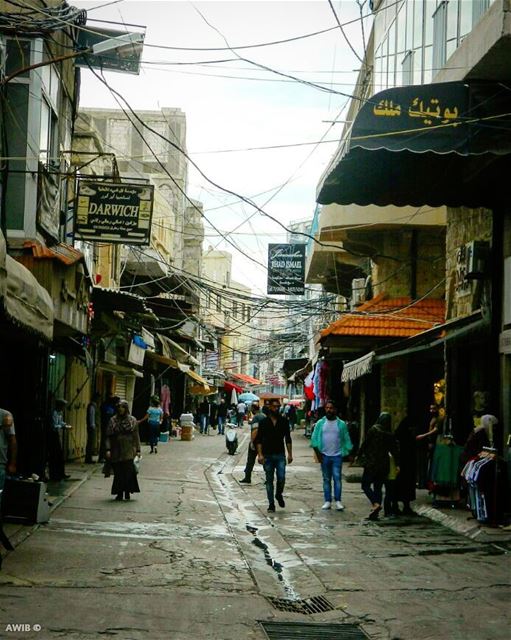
286 269
113 212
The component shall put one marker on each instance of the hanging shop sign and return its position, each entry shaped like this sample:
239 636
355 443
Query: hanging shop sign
112 212
286 269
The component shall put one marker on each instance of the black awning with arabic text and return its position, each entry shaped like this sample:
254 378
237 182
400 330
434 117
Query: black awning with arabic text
437 144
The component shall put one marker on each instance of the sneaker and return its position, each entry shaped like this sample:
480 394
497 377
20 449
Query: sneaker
339 506
271 508
326 506
280 500
245 481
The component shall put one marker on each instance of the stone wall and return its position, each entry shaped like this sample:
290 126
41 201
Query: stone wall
394 389
464 225
391 271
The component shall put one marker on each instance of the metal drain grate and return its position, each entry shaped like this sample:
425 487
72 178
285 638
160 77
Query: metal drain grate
316 604
312 631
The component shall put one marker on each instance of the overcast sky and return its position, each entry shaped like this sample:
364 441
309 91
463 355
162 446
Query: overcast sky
247 107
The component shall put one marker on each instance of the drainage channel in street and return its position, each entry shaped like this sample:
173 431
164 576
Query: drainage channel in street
286 566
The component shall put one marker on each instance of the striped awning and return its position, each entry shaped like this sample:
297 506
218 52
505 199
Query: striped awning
358 368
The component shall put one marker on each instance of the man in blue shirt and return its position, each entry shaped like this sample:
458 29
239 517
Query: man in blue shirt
331 442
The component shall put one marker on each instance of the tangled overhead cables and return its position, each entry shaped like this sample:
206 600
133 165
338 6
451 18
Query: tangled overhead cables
35 21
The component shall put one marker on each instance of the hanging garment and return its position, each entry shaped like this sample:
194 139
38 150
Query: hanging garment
165 398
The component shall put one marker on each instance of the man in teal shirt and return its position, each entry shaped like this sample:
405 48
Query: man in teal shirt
331 442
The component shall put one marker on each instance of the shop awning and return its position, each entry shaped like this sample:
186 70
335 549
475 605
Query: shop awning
201 386
229 386
291 365
302 373
158 357
357 368
428 340
26 302
175 351
244 378
435 144
120 370
116 300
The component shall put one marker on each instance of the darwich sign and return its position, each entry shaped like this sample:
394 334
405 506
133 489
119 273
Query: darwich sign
111 212
286 269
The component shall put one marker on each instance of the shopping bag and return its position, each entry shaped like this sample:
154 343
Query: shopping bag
136 463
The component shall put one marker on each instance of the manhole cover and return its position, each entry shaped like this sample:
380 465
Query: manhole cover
316 604
312 631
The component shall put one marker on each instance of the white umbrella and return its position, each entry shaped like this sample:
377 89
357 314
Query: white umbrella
234 397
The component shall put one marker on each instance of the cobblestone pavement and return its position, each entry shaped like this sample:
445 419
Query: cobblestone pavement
195 556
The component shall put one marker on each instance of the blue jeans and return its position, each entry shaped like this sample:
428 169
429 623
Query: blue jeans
204 419
154 434
331 467
221 425
274 462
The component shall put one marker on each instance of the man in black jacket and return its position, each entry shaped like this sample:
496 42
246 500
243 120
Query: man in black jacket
272 440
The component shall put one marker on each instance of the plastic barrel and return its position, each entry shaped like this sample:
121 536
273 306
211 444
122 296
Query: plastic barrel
186 432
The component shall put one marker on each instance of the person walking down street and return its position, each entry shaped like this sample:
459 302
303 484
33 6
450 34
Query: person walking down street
122 445
55 449
154 417
204 414
92 428
213 415
8 452
258 416
291 416
331 443
222 417
272 440
374 457
406 479
241 410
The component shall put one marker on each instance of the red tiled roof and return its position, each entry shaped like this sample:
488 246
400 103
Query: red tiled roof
63 252
389 317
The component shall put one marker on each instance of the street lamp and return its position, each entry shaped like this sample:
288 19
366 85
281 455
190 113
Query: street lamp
110 44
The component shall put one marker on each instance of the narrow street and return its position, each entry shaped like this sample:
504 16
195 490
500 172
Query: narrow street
195 556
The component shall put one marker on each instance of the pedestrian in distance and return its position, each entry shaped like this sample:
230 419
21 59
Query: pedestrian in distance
331 443
213 415
8 452
406 479
259 415
56 442
122 445
272 440
241 410
154 417
92 428
107 411
222 417
291 416
204 416
374 457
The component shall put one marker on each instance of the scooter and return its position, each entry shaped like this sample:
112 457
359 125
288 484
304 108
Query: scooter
231 438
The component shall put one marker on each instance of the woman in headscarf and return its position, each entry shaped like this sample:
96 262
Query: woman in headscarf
374 457
405 436
479 437
122 445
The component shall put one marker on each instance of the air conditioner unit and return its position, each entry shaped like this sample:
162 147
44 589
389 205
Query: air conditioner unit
358 291
477 255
